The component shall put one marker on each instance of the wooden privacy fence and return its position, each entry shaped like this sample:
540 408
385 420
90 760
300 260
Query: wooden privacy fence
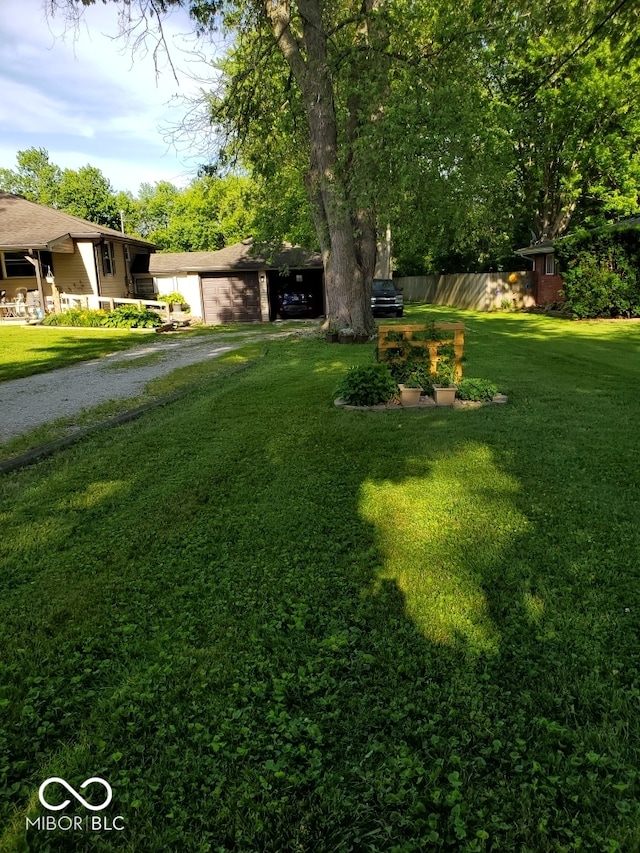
478 291
423 343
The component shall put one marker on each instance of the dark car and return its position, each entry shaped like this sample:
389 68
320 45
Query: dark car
386 298
292 304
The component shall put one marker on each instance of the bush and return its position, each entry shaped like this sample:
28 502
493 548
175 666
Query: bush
367 385
402 371
476 389
75 317
130 317
595 288
173 298
600 272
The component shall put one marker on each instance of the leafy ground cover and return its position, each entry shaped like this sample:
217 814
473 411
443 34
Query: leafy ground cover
272 625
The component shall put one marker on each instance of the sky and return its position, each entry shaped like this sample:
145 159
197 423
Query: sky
80 94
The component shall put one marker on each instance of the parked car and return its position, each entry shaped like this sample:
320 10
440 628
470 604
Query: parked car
386 298
295 303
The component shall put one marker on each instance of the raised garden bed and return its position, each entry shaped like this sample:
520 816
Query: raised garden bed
425 403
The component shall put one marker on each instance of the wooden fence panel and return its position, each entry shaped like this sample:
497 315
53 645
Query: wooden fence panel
477 291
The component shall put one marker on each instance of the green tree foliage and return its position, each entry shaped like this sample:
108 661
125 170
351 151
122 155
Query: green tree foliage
564 81
467 126
601 271
84 192
88 194
35 177
209 214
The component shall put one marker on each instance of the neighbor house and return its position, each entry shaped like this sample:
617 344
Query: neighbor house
45 253
547 281
234 284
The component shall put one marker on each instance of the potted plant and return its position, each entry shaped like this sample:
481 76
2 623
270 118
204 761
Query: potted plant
444 389
410 392
175 301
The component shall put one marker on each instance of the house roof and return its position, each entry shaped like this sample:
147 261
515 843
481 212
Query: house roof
543 248
26 225
239 256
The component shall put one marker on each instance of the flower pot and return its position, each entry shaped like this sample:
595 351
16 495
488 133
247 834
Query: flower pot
331 337
345 339
410 396
444 396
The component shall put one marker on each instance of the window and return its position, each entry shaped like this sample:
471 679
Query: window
108 259
17 266
549 265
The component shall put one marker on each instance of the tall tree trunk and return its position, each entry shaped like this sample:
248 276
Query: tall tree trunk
347 266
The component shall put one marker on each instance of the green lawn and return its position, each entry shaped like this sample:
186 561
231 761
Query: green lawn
274 626
25 350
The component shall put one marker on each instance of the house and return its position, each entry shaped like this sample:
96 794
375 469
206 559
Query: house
234 284
547 281
47 254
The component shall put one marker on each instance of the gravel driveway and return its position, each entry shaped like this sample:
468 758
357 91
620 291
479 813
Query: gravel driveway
27 403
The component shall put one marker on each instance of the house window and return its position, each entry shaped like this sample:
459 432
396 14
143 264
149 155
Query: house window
108 259
549 264
17 266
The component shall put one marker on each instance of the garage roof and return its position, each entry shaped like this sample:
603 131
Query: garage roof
237 257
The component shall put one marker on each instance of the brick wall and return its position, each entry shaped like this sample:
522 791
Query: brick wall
547 286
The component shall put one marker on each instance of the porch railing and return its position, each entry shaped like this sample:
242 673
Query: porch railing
74 300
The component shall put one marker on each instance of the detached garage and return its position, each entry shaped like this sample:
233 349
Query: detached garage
234 286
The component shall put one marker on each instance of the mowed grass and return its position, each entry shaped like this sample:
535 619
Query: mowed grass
272 625
25 350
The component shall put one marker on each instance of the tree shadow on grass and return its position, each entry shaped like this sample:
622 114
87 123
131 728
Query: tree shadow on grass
243 643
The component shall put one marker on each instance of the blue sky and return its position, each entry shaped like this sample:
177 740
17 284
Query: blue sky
82 96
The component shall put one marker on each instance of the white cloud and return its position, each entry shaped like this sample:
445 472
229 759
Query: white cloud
83 96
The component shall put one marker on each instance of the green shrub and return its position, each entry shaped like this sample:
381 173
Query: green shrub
597 288
403 371
367 385
600 272
130 317
408 360
173 298
75 317
476 389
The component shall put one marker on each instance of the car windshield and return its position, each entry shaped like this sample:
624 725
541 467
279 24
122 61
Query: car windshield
383 284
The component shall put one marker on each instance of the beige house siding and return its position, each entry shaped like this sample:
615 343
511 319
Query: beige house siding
116 284
74 273
11 285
